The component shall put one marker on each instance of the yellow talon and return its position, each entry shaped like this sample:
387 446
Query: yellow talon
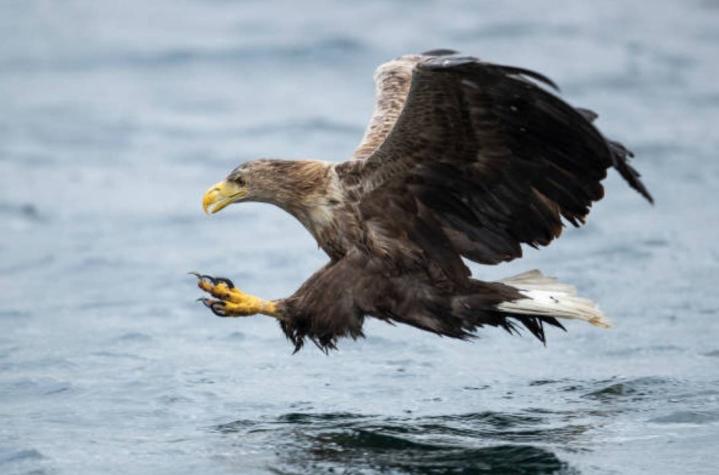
233 301
250 306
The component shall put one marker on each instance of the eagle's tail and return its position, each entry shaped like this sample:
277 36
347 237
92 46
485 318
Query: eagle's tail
546 297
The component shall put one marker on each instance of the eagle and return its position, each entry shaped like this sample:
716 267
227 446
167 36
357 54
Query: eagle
462 158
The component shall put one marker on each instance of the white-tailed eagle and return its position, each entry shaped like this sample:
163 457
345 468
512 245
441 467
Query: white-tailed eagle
462 158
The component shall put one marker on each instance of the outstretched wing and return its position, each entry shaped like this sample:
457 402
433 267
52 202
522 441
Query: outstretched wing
496 158
392 83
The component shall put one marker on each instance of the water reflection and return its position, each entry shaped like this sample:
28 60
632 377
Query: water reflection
486 443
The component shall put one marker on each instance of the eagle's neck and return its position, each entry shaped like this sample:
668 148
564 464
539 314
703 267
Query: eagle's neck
310 191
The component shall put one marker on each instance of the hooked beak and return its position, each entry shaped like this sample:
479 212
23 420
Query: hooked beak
222 194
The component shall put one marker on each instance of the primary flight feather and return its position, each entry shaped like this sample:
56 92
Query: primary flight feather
461 158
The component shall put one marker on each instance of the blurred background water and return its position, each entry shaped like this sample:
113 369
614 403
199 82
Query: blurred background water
116 116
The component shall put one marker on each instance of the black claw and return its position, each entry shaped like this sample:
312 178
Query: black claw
203 277
224 280
217 306
214 280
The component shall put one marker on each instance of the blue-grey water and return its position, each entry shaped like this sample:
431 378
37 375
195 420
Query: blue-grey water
116 116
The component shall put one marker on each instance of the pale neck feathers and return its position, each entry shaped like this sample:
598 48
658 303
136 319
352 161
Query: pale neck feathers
307 189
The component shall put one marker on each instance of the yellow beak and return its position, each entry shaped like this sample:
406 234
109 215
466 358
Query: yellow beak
220 195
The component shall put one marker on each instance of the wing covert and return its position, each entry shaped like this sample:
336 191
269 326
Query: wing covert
392 83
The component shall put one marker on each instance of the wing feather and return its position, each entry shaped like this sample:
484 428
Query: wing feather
498 159
392 84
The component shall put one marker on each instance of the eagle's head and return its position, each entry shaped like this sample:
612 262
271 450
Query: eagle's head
284 183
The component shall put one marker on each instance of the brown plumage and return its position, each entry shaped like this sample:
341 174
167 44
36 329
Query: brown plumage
461 158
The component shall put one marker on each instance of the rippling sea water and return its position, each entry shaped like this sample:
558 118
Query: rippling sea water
116 116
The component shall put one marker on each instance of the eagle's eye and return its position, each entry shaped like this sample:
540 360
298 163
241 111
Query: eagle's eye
240 181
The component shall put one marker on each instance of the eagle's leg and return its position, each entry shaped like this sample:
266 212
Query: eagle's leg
232 302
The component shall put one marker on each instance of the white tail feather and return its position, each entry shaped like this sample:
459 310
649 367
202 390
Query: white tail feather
546 296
